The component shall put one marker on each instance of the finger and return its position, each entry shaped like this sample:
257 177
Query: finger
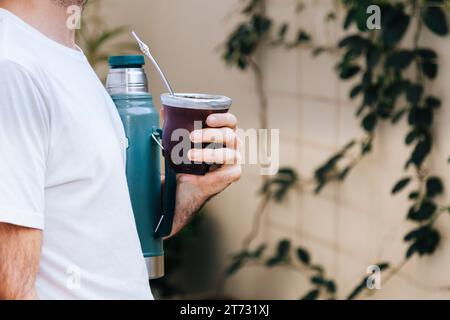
223 177
224 136
217 120
217 156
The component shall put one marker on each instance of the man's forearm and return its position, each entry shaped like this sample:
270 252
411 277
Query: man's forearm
30 295
20 250
185 209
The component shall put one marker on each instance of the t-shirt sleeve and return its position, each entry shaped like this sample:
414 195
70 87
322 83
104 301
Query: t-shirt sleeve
24 135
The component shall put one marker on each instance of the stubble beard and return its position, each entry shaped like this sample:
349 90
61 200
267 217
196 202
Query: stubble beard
67 3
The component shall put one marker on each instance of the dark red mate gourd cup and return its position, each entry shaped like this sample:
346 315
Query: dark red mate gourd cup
187 111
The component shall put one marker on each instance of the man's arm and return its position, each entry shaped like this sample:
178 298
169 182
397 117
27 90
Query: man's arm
20 251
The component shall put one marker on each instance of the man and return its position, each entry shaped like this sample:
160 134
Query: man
64 203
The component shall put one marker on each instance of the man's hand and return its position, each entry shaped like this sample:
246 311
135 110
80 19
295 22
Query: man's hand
20 251
193 191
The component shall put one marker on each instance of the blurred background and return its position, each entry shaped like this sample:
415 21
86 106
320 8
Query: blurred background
343 199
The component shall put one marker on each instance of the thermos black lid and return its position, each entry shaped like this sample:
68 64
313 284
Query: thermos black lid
126 62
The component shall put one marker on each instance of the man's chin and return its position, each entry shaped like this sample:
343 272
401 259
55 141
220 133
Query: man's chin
66 3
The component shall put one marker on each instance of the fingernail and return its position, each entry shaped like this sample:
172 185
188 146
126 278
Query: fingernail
193 154
196 135
212 118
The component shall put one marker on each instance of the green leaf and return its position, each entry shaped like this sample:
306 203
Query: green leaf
262 24
396 23
361 16
414 195
242 63
371 95
414 93
411 137
303 37
373 56
369 122
420 117
358 289
383 265
432 102
281 255
349 18
400 185
425 241
420 152
428 62
331 286
312 295
318 280
429 69
430 243
349 72
384 109
271 262
436 20
424 212
367 79
417 233
283 248
355 44
356 91
426 54
400 59
434 186
394 89
234 267
303 255
411 250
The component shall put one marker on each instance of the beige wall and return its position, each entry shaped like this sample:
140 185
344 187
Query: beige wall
346 228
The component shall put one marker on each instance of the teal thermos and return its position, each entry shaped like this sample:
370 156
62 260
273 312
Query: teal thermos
153 207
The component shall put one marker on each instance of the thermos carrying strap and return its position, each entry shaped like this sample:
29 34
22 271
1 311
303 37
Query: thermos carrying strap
163 222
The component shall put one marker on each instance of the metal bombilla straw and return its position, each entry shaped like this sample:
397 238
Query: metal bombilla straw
146 50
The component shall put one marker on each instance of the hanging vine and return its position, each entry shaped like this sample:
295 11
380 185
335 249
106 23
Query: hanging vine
257 31
387 91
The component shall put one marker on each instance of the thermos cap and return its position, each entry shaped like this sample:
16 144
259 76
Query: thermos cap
120 62
126 75
196 101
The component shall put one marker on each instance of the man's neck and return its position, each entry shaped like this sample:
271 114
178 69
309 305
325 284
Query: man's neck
47 16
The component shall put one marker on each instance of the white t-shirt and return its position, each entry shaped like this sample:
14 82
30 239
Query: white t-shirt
62 169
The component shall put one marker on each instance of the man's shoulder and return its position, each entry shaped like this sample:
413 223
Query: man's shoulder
12 70
14 55
16 73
